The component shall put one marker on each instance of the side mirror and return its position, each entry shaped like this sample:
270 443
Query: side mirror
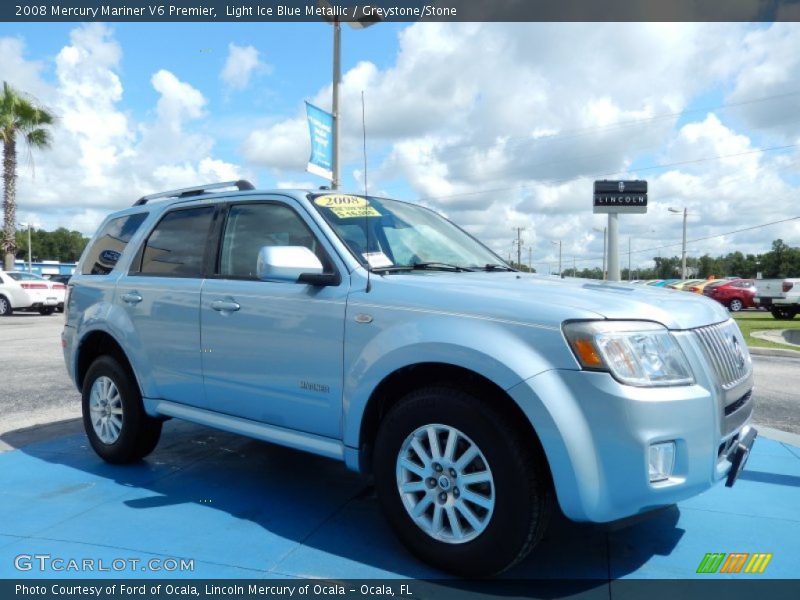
292 264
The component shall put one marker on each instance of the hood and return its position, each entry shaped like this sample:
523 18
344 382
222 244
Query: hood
544 301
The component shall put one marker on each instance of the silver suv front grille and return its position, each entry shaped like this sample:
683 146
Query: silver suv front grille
726 351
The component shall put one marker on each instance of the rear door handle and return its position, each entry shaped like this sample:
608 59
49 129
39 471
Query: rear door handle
225 305
131 298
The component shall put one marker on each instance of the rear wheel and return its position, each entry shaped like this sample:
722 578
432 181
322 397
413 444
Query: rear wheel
463 489
46 311
784 314
113 416
735 305
5 307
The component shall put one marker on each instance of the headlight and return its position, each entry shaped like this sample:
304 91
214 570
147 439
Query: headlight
639 353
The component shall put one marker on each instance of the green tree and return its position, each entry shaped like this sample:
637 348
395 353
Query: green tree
62 245
20 117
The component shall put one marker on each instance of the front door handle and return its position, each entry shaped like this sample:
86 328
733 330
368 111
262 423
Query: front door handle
225 305
131 298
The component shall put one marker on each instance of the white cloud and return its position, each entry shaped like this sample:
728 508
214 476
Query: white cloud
241 64
102 159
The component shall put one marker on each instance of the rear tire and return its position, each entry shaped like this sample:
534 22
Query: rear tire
113 415
784 314
735 305
476 516
47 311
5 307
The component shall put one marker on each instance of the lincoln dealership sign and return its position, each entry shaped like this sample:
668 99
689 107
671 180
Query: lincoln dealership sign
620 196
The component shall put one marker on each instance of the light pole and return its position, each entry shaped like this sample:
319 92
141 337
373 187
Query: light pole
337 79
683 250
30 260
605 237
558 243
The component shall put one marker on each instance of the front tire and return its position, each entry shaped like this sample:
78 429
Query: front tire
463 489
113 415
5 307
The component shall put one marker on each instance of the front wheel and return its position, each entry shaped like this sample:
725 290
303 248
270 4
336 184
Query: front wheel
5 307
784 314
463 489
113 416
735 305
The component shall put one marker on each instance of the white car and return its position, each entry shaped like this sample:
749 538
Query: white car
26 291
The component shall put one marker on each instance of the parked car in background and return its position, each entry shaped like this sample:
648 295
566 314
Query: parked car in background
699 288
736 294
682 283
26 291
60 278
780 296
662 282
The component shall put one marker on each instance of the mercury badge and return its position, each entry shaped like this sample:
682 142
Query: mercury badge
737 352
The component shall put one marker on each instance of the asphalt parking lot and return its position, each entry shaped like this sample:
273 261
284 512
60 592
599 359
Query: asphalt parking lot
239 508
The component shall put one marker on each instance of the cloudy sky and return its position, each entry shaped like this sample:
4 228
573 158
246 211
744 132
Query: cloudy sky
498 126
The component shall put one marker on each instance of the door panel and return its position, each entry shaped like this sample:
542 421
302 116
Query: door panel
161 295
272 351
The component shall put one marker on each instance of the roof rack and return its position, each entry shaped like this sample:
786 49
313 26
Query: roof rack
242 185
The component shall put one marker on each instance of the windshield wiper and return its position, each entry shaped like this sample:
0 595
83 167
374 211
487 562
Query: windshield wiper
496 267
422 266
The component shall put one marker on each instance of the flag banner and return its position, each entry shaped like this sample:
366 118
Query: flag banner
320 128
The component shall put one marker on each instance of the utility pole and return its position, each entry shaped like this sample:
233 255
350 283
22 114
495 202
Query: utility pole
519 231
530 259
560 274
683 248
574 267
629 259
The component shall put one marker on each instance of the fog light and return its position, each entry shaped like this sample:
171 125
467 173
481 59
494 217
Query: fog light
662 461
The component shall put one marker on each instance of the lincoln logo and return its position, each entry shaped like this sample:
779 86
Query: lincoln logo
621 186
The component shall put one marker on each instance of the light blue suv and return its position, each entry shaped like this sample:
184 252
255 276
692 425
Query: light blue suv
378 333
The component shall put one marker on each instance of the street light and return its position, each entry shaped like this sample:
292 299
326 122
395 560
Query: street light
605 237
558 243
683 251
30 260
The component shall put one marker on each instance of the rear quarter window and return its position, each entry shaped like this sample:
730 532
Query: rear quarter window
102 256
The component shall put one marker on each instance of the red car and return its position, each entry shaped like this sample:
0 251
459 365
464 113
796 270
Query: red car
736 294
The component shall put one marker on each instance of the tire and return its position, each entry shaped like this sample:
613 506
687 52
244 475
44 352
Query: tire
510 499
130 436
47 311
783 314
5 307
735 305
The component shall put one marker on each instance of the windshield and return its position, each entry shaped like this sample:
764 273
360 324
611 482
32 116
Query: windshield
401 235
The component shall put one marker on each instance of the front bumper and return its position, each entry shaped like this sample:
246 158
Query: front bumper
596 434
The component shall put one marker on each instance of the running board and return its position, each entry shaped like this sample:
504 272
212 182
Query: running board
268 433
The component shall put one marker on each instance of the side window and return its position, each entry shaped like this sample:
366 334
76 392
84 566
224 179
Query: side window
251 226
110 243
177 245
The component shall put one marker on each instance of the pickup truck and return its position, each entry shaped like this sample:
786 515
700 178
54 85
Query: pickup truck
780 296
378 333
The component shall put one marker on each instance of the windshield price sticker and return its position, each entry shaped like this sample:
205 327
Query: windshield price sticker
347 207
377 260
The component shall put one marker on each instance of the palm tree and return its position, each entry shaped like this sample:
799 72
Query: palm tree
20 115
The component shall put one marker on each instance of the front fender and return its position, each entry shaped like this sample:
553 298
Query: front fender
503 353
